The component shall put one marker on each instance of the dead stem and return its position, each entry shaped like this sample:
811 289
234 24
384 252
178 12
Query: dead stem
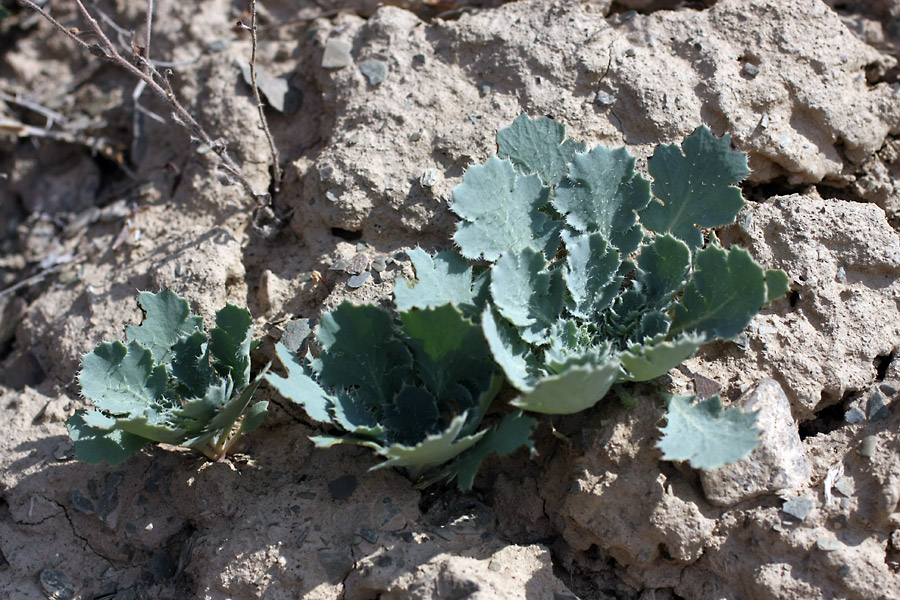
276 168
148 74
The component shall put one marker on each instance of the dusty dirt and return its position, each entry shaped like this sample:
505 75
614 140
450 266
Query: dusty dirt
808 89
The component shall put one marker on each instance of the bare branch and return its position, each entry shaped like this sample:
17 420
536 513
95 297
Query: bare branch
276 167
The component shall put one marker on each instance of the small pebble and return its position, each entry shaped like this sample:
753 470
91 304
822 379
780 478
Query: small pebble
331 196
630 52
302 537
358 264
877 409
375 71
798 507
418 60
358 280
767 330
443 533
340 264
343 487
828 543
56 584
337 54
868 446
844 571
495 565
854 415
369 534
750 70
218 45
415 136
80 503
3 562
764 122
841 275
887 389
65 451
379 264
845 486
429 177
604 99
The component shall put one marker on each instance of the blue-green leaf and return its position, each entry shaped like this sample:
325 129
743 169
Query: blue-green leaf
726 291
592 274
191 370
663 268
528 294
500 211
361 349
646 362
582 383
97 445
230 344
601 194
511 353
705 435
168 318
122 380
695 187
445 279
299 387
538 146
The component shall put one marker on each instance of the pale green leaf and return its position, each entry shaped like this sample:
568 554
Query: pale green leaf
168 318
601 194
528 294
445 279
646 362
592 273
580 386
538 146
299 387
500 211
706 436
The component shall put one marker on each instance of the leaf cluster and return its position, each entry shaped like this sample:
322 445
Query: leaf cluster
586 274
413 385
171 383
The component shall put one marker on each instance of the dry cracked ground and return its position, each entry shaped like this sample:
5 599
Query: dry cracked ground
99 200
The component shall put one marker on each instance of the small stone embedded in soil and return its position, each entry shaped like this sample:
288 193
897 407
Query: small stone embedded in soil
844 571
705 387
295 333
495 565
375 71
358 264
339 265
56 584
845 486
369 534
3 562
876 408
337 54
854 415
380 263
429 177
868 446
302 537
343 487
798 507
65 451
887 389
828 543
80 503
443 533
604 99
336 564
358 280
750 70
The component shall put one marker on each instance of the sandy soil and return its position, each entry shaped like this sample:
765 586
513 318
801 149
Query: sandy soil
375 96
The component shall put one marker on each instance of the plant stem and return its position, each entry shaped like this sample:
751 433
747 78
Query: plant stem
276 168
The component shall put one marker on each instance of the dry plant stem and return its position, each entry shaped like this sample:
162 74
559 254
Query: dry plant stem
276 168
106 49
147 64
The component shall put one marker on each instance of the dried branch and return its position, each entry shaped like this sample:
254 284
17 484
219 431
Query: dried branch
149 75
276 167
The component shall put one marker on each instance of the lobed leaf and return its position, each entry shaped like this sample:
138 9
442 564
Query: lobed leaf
706 436
445 279
500 211
592 274
122 380
646 362
727 289
583 383
230 344
94 445
601 194
695 187
168 318
528 294
538 146
299 387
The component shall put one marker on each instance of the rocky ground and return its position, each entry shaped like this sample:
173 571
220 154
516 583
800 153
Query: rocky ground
365 100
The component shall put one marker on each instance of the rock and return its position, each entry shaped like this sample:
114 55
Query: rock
777 464
57 585
337 54
343 487
375 71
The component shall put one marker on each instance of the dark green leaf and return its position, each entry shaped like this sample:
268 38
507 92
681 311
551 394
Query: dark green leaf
664 266
695 187
190 365
122 380
777 284
255 417
96 445
230 344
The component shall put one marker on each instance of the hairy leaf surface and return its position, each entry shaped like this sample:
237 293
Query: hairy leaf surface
444 279
538 146
706 436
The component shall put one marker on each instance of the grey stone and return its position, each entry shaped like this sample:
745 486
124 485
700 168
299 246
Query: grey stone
828 543
778 462
854 415
343 487
868 446
56 584
797 506
887 389
375 71
750 70
337 54
369 534
876 408
604 99
358 280
336 563
80 503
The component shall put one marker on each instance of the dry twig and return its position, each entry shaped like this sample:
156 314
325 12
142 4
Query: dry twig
149 75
